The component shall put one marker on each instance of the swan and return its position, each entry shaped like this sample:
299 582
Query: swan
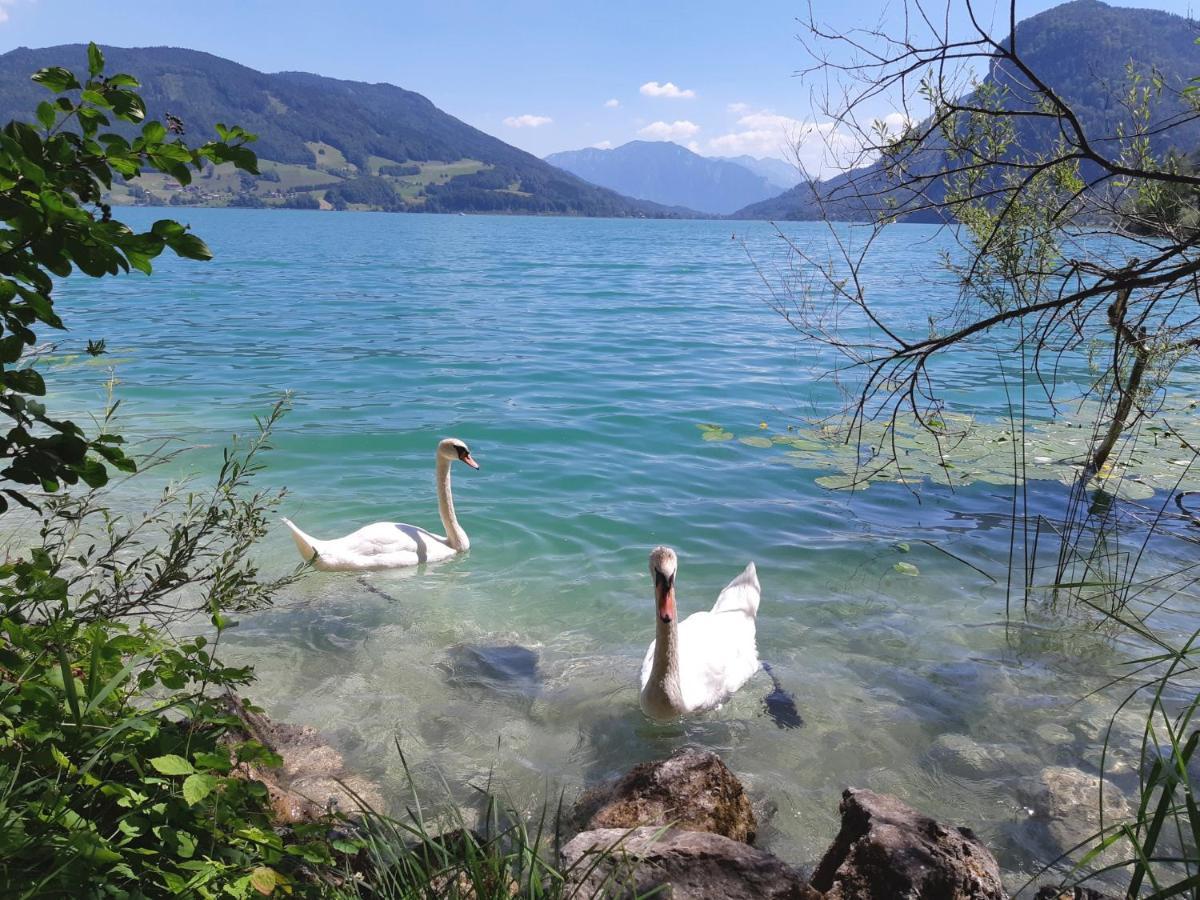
697 664
391 545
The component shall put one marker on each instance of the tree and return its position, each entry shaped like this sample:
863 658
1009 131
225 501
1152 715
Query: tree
53 179
1071 234
1040 198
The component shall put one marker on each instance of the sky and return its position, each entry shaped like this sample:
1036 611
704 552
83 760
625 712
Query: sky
718 77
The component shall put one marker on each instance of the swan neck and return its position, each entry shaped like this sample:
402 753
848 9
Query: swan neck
455 536
665 673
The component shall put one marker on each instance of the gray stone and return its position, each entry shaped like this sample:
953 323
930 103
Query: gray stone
614 864
886 850
965 757
692 791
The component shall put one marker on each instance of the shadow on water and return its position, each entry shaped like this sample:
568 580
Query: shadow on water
780 704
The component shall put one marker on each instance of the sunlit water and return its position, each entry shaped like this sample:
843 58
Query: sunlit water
576 357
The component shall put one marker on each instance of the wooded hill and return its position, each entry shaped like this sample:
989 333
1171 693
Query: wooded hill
324 141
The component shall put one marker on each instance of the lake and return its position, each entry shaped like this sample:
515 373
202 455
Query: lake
577 358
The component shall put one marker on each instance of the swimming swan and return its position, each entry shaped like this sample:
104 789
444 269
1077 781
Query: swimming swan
391 545
698 663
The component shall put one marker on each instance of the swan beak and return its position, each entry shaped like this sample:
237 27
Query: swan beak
664 594
469 461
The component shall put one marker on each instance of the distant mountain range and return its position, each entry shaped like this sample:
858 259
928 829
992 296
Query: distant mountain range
1081 50
666 173
324 142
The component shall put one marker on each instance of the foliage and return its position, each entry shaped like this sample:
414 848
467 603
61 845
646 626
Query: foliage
53 176
118 758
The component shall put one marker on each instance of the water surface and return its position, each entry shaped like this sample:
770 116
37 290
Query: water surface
576 358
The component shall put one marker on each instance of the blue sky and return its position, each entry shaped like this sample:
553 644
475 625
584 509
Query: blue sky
546 76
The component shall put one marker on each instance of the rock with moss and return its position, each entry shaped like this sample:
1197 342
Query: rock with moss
311 780
692 791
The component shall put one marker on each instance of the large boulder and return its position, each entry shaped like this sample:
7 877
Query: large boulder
692 791
311 780
886 850
615 863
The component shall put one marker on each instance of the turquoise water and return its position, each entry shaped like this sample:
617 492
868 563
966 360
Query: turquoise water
576 358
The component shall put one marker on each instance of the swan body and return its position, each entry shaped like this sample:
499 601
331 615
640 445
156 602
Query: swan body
697 664
392 545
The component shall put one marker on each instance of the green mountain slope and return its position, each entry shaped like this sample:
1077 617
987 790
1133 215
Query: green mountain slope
327 142
1081 49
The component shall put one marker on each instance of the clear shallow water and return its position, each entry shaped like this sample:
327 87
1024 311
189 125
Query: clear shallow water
576 357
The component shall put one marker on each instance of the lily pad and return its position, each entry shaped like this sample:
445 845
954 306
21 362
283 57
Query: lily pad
906 568
755 441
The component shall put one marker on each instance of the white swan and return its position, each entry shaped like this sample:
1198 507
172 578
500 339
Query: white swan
391 545
698 663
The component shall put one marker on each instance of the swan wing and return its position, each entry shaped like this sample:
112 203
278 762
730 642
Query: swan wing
741 595
381 545
718 653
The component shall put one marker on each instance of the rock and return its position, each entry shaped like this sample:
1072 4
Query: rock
1048 892
886 850
1067 802
967 758
696 866
692 791
311 780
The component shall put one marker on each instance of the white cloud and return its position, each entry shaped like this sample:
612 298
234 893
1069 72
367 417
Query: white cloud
694 146
603 145
654 89
819 147
5 5
738 109
896 122
612 104
669 131
527 121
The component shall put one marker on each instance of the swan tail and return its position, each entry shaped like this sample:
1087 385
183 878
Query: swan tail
304 543
741 594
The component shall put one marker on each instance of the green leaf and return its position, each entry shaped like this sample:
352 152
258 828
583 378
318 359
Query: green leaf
172 765
190 247
95 60
154 132
196 787
905 568
46 114
56 78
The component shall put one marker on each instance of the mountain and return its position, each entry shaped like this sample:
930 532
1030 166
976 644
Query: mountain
781 175
323 142
1081 50
668 174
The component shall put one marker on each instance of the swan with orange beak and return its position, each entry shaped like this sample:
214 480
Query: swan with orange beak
697 664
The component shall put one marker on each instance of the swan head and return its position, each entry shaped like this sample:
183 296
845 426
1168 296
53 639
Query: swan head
663 565
452 448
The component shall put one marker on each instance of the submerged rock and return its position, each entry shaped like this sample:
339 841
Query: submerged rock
692 790
886 850
1066 801
616 863
965 757
311 780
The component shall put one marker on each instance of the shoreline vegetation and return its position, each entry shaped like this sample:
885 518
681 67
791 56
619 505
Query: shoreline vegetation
130 768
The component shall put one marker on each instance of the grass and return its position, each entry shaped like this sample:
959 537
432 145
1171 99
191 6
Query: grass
507 853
